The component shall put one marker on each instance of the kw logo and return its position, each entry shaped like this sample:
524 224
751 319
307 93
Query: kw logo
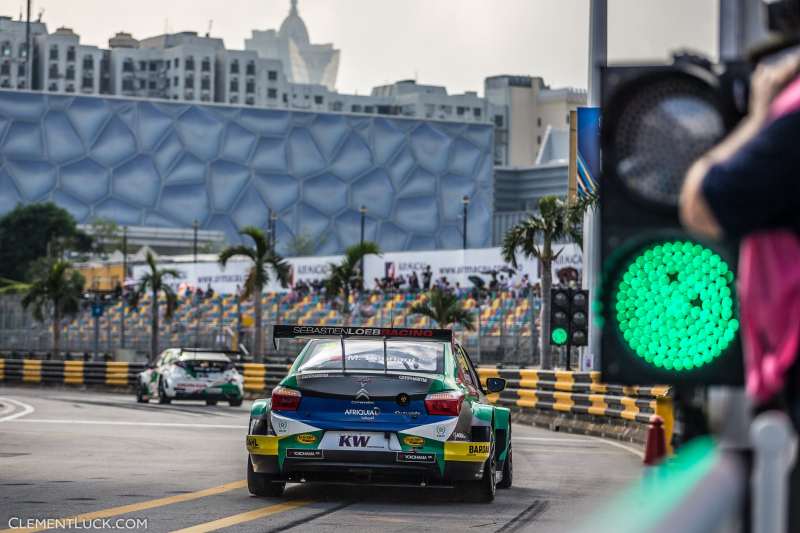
353 441
478 448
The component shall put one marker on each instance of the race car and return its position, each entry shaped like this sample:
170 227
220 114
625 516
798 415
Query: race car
191 374
380 406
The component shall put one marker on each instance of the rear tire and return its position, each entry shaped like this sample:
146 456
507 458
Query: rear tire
508 471
262 484
211 402
237 402
483 490
162 394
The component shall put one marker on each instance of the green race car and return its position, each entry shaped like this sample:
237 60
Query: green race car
380 406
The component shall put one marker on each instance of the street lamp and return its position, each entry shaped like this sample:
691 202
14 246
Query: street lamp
195 225
273 217
124 277
465 201
363 211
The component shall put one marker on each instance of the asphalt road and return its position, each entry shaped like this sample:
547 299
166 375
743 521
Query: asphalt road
65 452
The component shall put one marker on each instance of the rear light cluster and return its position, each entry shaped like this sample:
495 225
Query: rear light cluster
444 403
284 399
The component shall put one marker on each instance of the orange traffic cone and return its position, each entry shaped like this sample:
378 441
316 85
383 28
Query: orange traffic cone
656 447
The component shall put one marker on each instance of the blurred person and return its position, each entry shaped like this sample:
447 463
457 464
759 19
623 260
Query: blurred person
426 278
413 282
746 189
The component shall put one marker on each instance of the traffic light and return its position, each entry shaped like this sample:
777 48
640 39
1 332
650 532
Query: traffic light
569 322
667 304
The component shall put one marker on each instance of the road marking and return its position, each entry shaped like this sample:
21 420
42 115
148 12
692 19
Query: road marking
130 423
7 408
545 439
248 516
582 438
142 506
634 451
26 409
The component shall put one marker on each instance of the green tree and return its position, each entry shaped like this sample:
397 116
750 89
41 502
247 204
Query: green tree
155 281
262 257
106 234
303 245
347 275
30 232
54 293
445 309
534 238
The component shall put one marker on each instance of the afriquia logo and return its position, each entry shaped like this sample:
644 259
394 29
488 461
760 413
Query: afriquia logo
369 412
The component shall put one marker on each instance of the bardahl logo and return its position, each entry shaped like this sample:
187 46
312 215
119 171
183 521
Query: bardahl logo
478 448
252 442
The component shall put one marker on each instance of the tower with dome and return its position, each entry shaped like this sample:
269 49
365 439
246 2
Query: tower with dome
303 62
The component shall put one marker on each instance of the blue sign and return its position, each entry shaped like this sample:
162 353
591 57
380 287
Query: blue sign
97 310
588 149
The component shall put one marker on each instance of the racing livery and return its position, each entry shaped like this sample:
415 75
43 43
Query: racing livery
380 405
188 374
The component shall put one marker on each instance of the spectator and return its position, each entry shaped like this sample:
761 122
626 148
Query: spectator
426 278
459 292
413 282
209 292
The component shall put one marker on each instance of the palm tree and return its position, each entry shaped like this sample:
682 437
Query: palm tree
534 237
347 274
55 292
156 281
445 309
262 256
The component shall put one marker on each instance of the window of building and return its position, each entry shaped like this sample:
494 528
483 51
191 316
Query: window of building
127 65
337 106
177 62
318 99
70 75
151 85
53 51
127 84
250 87
235 66
5 68
477 112
21 70
142 65
188 94
205 97
153 66
5 49
272 93
369 109
205 83
70 88
70 53
87 83
251 68
176 81
174 96
142 84
429 110
498 121
567 118
205 66
189 65
234 85
355 108
285 98
5 83
21 84
249 100
539 122
188 82
272 75
538 139
52 87
305 96
234 99
53 71
167 83
23 50
88 62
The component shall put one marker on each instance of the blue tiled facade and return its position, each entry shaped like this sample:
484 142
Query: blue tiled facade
155 163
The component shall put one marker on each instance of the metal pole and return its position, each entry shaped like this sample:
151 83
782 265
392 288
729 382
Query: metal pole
598 47
273 217
28 49
196 303
363 211
96 330
465 201
124 277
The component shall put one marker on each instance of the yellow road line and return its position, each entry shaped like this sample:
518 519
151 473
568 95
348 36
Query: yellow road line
141 506
248 516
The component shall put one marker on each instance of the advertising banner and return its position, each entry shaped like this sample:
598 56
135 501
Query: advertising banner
588 149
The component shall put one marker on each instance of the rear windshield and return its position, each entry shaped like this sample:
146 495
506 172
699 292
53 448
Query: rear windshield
325 354
206 362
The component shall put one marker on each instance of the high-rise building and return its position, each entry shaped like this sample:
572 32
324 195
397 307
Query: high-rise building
303 62
14 53
65 65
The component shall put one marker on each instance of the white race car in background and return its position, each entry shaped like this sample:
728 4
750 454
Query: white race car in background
186 374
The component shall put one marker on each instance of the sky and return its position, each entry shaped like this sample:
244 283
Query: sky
455 43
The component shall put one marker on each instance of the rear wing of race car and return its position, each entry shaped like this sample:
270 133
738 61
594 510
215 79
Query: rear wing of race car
291 331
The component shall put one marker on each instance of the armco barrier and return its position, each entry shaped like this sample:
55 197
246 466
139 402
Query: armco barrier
580 396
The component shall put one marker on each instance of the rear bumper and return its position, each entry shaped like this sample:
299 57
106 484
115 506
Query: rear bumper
225 392
449 464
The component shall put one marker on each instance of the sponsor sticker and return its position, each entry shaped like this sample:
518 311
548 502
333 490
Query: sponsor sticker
295 453
410 457
412 378
411 440
478 449
306 438
252 442
367 413
356 441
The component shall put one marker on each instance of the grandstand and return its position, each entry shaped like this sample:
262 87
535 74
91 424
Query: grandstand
215 322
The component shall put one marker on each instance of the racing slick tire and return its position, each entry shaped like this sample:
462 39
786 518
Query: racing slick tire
262 484
235 402
483 490
140 398
508 471
211 402
162 393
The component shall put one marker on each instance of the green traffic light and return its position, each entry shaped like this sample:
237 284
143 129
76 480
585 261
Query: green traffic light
559 336
675 305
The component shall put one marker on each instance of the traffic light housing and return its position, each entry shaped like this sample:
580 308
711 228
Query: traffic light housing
667 306
569 321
